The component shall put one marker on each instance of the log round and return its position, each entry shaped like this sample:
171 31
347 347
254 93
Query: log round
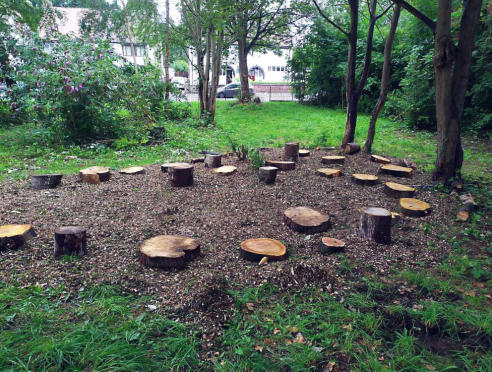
380 159
225 170
15 236
45 181
396 170
414 207
197 160
70 240
330 245
351 148
397 190
291 151
95 175
329 172
364 179
133 170
306 220
213 161
165 166
375 224
168 251
281 165
258 248
267 174
333 159
181 175
303 153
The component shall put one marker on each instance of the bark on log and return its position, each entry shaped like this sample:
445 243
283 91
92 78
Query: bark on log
181 175
397 190
95 175
303 153
70 240
469 206
333 159
267 174
306 220
225 170
291 151
364 179
329 172
396 170
351 148
15 236
133 170
258 248
414 207
197 160
165 166
168 251
45 181
213 161
281 165
330 245
380 159
375 224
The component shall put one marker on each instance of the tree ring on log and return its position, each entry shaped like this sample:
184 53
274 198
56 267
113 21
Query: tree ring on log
165 167
329 172
414 207
331 245
133 170
396 170
398 190
364 179
303 153
168 251
333 159
225 170
15 236
281 165
45 181
95 175
257 248
380 159
306 220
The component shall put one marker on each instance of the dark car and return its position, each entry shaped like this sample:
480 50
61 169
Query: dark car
231 91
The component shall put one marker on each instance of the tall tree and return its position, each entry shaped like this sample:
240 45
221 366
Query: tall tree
166 59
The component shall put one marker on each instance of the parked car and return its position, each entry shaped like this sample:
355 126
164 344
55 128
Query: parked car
231 91
180 82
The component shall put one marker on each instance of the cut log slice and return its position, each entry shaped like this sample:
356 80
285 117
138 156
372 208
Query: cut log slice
303 153
380 159
95 175
197 160
396 170
375 224
70 240
414 207
165 166
469 206
364 179
133 170
45 181
397 190
181 175
15 236
351 148
329 172
267 174
281 165
225 170
213 161
306 220
291 151
333 159
168 251
330 245
258 248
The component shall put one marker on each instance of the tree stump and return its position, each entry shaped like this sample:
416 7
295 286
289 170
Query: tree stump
333 159
351 148
414 207
329 172
397 190
396 170
181 175
364 179
197 160
258 248
306 220
70 240
95 175
303 153
165 166
330 245
281 165
380 159
168 251
45 181
267 174
225 170
133 170
15 236
375 224
291 151
213 161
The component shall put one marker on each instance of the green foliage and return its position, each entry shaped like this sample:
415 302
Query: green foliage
257 159
180 65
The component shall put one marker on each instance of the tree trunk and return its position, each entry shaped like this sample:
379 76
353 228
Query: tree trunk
166 60
243 69
216 50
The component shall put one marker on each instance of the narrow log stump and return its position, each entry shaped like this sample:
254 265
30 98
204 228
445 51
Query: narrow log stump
95 175
45 181
133 170
258 248
166 166
291 151
397 190
333 159
380 159
375 224
267 174
70 240
168 251
414 207
181 175
303 153
351 148
213 161
364 179
330 245
329 172
396 170
281 165
15 236
225 170
306 220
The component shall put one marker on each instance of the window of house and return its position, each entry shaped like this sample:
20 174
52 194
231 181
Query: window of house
139 50
282 68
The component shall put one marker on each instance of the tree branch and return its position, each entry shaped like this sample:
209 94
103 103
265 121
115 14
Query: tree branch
322 14
417 13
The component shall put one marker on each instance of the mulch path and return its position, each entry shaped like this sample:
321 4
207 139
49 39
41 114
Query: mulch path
220 212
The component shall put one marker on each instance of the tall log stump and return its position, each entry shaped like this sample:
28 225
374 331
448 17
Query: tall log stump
181 175
333 159
375 224
414 207
397 190
258 248
281 165
380 159
70 240
364 179
133 170
166 166
267 174
291 151
306 220
330 245
15 236
396 170
329 172
351 148
168 251
95 175
213 161
45 181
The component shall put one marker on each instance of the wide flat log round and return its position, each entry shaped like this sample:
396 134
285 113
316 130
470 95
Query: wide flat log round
306 220
267 174
45 181
281 165
303 153
375 224
165 166
213 161
133 170
256 249
351 148
168 251
396 170
95 174
329 172
331 245
225 170
364 179
181 175
333 159
291 151
70 240
414 207
380 159
397 190
15 236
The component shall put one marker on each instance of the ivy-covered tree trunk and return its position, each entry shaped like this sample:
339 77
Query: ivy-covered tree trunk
243 69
